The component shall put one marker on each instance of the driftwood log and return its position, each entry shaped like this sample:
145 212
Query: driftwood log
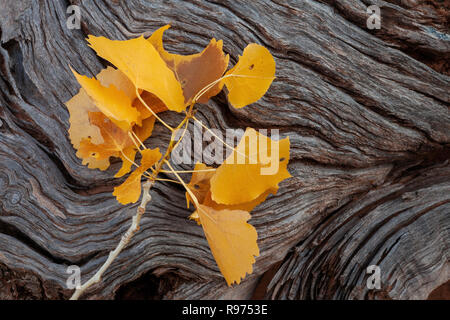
367 112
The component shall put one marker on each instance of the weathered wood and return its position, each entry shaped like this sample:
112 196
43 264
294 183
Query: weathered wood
367 113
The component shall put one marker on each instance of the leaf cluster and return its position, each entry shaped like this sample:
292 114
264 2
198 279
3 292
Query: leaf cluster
113 114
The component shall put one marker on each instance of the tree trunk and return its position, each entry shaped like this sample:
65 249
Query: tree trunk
367 113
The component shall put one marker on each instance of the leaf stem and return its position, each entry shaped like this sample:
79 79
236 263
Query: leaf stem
125 156
135 138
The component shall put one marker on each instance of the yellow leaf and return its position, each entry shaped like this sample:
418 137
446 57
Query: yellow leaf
232 241
143 65
194 71
80 105
114 138
81 128
145 131
114 103
93 163
117 78
257 165
200 186
116 142
156 40
130 190
251 77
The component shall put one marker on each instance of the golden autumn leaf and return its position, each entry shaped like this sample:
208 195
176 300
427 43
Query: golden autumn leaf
256 165
116 142
143 65
200 186
79 107
130 190
251 77
112 102
129 153
81 127
231 239
195 71
115 139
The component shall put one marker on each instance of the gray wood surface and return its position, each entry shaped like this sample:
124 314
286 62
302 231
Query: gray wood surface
367 112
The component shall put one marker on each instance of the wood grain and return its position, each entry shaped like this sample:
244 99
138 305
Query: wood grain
367 113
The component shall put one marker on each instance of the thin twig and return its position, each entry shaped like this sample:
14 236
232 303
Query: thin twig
146 197
136 141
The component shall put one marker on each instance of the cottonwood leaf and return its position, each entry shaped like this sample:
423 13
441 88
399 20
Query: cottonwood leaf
231 239
79 107
200 186
115 139
112 102
251 77
195 71
127 155
81 127
143 65
256 165
130 190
